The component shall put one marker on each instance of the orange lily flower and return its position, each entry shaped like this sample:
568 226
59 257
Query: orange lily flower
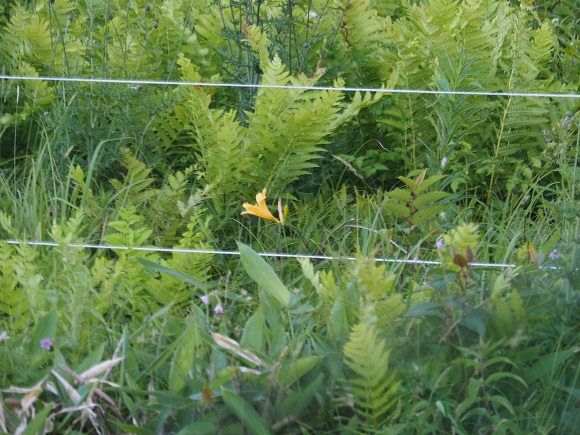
260 209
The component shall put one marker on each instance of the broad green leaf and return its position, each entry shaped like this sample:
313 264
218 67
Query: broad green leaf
338 321
427 183
428 198
254 335
574 392
502 401
461 409
400 194
132 429
37 425
410 183
263 274
174 273
499 359
156 363
297 402
95 357
44 329
183 360
201 428
547 365
426 213
399 209
298 369
246 413
500 375
475 320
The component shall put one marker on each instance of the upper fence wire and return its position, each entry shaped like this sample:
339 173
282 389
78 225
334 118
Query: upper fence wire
132 82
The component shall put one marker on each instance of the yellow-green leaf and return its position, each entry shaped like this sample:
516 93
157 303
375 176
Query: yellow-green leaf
263 274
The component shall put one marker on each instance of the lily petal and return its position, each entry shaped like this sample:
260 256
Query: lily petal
261 197
260 209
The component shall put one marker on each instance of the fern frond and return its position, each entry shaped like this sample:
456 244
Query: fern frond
134 187
215 137
39 93
542 45
433 22
13 304
359 101
509 315
73 280
288 127
523 118
126 290
22 298
128 231
178 36
389 312
209 26
362 28
296 139
173 290
462 237
374 387
27 35
372 280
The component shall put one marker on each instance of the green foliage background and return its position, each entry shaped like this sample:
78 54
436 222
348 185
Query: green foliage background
155 341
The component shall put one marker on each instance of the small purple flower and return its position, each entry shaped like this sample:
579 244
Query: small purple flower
218 309
205 299
46 343
554 255
440 243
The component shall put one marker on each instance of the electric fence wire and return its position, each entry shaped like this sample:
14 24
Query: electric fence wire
414 261
137 83
406 261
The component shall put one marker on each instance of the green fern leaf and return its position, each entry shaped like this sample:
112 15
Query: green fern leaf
128 231
288 127
135 182
374 387
22 298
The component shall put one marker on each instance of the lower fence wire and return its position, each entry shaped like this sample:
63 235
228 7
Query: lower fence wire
410 261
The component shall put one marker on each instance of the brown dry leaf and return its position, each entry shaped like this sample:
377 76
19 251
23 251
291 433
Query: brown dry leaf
350 167
234 347
2 419
207 395
100 368
31 396
73 395
249 371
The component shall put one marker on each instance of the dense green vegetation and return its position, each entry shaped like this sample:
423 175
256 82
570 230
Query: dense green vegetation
432 280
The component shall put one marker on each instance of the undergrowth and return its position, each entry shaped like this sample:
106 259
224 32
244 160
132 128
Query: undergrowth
432 281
